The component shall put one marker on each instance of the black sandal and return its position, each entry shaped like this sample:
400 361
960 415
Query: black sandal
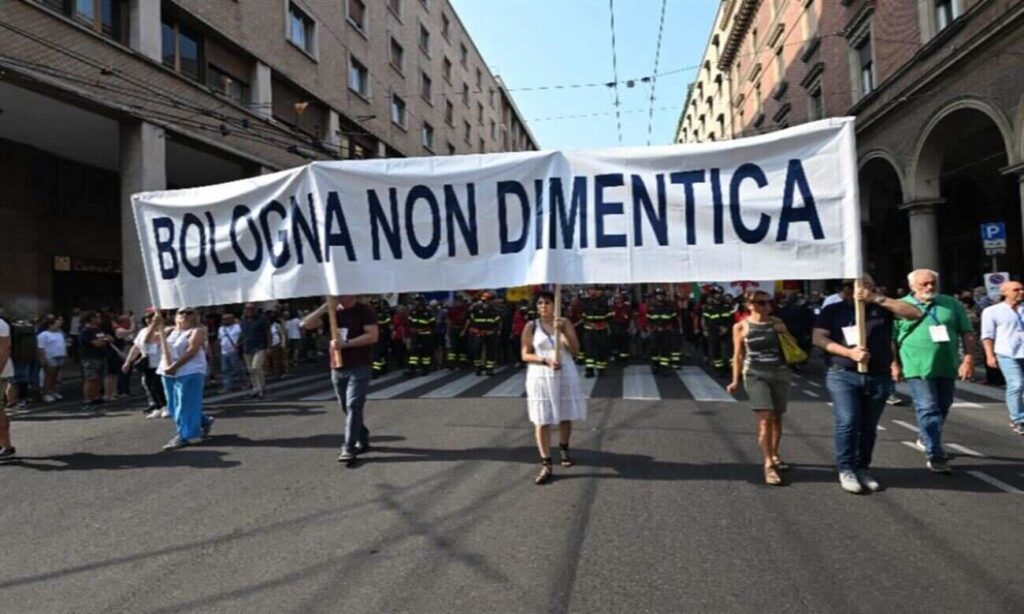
566 459
544 475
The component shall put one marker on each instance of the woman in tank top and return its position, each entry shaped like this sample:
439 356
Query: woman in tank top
183 367
758 354
553 393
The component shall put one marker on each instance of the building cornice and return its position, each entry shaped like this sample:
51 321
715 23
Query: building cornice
745 12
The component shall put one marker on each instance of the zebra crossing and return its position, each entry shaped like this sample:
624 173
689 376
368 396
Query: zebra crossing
632 382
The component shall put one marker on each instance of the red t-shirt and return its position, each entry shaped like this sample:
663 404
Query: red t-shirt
641 316
356 318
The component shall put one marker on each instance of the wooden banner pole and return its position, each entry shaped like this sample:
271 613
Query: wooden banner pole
862 331
558 315
332 321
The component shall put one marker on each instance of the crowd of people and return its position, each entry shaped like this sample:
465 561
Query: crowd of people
757 338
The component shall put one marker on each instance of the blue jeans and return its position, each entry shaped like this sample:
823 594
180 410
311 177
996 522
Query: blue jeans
232 370
858 401
932 400
1013 373
350 386
185 403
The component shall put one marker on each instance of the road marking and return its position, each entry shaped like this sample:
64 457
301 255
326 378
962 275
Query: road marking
906 425
964 450
513 387
813 394
702 386
328 395
638 383
1001 485
587 386
814 383
881 428
413 382
912 445
227 396
457 387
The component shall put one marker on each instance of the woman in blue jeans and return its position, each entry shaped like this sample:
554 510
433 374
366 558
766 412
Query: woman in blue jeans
183 368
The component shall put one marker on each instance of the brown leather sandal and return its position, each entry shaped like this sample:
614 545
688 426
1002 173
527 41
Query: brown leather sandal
564 451
772 477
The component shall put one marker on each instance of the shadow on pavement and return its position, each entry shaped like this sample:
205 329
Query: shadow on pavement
84 461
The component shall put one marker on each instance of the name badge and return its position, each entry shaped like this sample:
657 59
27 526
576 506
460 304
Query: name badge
940 334
850 336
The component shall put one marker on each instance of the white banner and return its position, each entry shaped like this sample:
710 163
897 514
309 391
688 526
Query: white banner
781 205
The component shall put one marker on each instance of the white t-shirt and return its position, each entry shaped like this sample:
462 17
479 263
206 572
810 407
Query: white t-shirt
5 331
151 351
275 334
228 337
52 344
294 328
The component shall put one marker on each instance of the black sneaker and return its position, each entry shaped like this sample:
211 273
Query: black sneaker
7 453
939 465
207 425
175 443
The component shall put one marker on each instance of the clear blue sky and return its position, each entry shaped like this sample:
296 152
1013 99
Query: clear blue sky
551 42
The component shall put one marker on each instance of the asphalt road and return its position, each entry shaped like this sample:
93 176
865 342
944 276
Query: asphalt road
665 512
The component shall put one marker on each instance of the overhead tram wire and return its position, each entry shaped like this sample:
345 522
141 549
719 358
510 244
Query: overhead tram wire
615 70
654 79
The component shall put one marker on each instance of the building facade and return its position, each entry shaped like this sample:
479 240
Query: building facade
707 114
100 99
938 92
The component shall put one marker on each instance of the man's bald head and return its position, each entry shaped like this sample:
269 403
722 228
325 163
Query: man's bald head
1012 291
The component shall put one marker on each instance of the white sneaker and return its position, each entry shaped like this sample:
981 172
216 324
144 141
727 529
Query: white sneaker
848 480
49 398
164 413
58 396
153 414
919 444
868 482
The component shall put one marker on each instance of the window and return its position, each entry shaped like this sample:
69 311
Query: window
446 70
358 77
426 87
424 39
468 130
395 6
483 146
182 50
753 39
780 67
428 136
494 129
301 29
397 111
451 149
479 80
463 54
480 113
108 17
757 96
449 112
721 124
397 55
946 11
357 14
446 26
221 82
465 94
867 66
492 97
816 104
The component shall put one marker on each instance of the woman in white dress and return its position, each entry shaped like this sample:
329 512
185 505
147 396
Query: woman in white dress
552 384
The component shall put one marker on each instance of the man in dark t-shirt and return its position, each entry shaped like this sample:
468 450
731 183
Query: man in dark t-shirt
93 342
357 333
858 399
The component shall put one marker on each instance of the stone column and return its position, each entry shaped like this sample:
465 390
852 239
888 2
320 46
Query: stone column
143 168
1017 170
144 33
260 92
924 232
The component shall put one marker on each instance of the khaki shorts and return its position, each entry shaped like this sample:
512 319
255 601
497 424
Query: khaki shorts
768 389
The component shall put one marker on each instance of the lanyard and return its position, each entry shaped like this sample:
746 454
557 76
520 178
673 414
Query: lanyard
550 338
930 310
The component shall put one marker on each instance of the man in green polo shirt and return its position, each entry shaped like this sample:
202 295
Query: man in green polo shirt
929 359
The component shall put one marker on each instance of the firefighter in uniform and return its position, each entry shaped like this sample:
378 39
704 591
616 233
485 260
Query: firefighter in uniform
678 330
457 355
661 317
622 317
597 317
718 317
380 349
422 321
484 324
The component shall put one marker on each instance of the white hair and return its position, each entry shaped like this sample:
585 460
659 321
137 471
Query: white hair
911 275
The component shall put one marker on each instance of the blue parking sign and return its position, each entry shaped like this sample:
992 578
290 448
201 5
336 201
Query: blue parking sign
993 235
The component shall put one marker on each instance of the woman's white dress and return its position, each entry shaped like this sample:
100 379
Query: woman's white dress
553 396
